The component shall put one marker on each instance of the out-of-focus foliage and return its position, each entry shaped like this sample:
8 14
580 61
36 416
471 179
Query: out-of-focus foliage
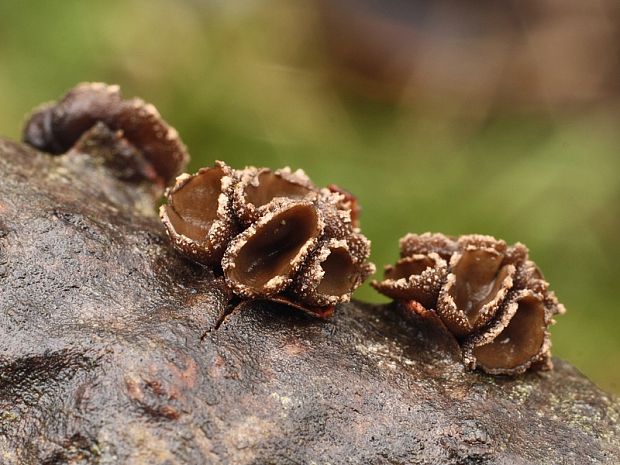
249 82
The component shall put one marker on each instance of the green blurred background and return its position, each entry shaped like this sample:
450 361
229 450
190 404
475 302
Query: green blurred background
456 117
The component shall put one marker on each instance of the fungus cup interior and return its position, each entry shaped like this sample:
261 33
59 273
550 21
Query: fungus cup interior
193 207
339 277
409 266
519 341
269 252
478 279
270 186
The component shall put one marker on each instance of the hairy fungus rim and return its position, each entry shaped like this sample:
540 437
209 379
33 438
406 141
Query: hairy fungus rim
418 278
205 243
196 201
280 240
257 188
518 339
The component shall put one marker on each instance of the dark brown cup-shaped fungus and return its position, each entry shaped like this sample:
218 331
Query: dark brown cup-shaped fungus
339 276
56 127
262 260
517 340
118 155
491 298
198 214
143 126
273 234
418 278
334 271
258 187
476 285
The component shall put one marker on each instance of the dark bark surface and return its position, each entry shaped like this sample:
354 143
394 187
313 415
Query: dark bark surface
109 354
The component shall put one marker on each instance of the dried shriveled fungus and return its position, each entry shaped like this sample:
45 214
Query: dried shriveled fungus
490 296
274 234
132 126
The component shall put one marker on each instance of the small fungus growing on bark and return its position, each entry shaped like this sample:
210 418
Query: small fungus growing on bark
273 234
197 215
257 187
56 127
489 296
263 259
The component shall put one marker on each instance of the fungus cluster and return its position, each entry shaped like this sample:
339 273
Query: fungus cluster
274 234
95 116
488 295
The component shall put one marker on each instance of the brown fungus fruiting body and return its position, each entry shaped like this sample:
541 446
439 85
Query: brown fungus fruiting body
257 187
273 234
197 215
137 127
418 277
263 259
348 202
488 295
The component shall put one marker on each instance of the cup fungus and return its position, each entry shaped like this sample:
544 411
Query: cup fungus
263 259
489 296
273 234
197 215
56 127
257 187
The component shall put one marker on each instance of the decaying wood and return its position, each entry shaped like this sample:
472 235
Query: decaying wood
109 353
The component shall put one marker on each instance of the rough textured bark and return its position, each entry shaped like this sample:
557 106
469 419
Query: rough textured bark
109 353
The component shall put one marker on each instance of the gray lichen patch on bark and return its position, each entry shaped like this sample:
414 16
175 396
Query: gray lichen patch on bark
103 359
